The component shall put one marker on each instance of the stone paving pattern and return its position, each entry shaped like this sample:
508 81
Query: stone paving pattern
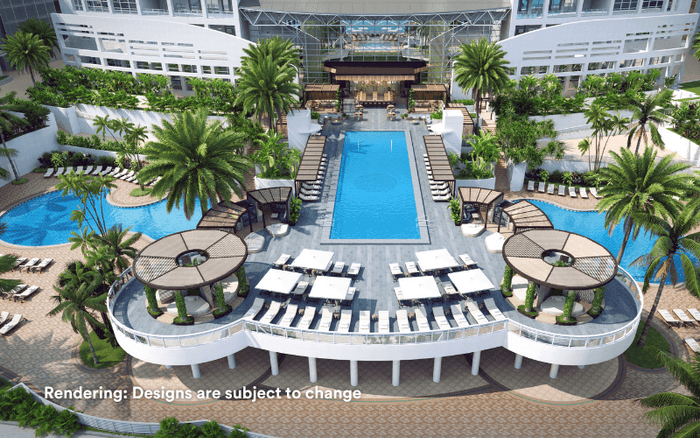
498 402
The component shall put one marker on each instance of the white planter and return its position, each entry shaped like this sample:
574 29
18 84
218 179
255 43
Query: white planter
66 118
29 148
489 183
516 176
264 183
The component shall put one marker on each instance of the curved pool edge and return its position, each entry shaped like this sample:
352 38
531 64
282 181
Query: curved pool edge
114 203
582 210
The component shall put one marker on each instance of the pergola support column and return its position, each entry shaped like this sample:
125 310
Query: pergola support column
313 374
274 367
353 373
476 358
518 361
554 371
396 372
231 361
437 368
195 371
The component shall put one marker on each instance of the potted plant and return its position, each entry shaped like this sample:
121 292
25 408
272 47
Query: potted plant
566 318
153 308
294 210
528 309
222 309
182 317
243 286
596 306
507 285
455 212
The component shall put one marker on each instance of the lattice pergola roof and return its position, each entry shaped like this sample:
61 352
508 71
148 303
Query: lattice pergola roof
592 264
311 159
157 264
437 155
271 195
526 215
476 195
222 216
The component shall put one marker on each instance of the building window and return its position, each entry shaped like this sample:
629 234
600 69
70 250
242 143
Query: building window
632 63
97 6
601 65
125 7
189 68
231 30
221 70
206 70
77 5
118 63
519 30
141 65
173 67
90 60
625 5
562 6
176 82
157 66
653 4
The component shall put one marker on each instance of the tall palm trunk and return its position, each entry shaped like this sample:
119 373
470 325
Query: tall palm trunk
478 111
639 141
31 73
628 230
92 349
12 163
647 323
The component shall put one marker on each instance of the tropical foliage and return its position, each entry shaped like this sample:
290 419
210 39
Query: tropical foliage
481 66
604 126
676 240
519 138
648 112
26 51
274 156
197 160
18 405
44 31
640 184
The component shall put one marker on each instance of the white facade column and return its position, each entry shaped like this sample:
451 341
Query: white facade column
195 371
110 6
273 363
171 12
545 10
396 372
231 361
581 367
205 13
138 7
313 373
476 358
579 7
518 361
168 367
437 368
553 371
353 373
84 2
639 6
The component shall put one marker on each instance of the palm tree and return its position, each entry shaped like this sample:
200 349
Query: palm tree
674 238
7 121
481 66
195 160
7 262
676 414
266 88
696 46
597 116
121 246
639 184
281 50
75 307
44 31
648 111
26 51
103 125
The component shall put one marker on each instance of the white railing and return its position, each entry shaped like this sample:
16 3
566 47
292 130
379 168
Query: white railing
218 334
595 12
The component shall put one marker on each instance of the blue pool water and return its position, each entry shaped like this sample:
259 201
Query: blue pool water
375 197
45 220
592 224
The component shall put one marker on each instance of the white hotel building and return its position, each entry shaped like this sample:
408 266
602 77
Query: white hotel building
205 38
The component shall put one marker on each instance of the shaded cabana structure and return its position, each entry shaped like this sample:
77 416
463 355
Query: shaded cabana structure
228 216
476 199
429 92
272 204
439 162
320 97
310 163
524 215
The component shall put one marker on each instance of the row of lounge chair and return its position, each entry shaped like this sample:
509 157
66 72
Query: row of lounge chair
21 292
683 318
311 191
31 265
542 187
338 268
413 267
14 322
440 191
383 326
115 172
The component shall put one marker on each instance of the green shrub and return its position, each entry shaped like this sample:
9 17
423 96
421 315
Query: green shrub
530 297
436 115
464 101
556 177
18 405
211 429
169 427
598 295
243 286
544 175
238 431
151 298
106 161
219 295
315 115
181 307
507 285
294 210
568 178
19 181
455 212
569 306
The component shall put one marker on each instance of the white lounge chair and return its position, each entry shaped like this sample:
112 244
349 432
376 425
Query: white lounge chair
493 309
128 175
344 323
18 263
300 289
59 171
476 313
395 270
68 170
255 308
88 170
572 192
326 319
308 198
450 289
550 189
306 186
41 266
422 320
97 170
692 343
309 313
289 315
438 186
106 171
27 293
271 312
132 178
668 318
442 192
117 172
531 185
582 191
3 317
561 190
79 170
338 268
683 317
458 316
383 321
49 172
29 264
305 192
411 268
594 192
12 324
282 260
364 321
439 315
402 320
350 295
354 270
541 187
467 260
694 313
442 198
17 289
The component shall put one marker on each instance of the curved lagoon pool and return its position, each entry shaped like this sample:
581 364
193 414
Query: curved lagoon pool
45 220
592 224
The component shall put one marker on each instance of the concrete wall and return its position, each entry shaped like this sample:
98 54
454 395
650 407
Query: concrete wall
488 183
29 148
680 145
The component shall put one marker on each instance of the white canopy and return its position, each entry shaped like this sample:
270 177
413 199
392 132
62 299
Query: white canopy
313 259
330 288
276 280
469 281
436 259
419 288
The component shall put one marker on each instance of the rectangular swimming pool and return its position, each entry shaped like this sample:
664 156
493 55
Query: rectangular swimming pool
375 197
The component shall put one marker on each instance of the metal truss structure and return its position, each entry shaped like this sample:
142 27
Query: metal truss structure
434 38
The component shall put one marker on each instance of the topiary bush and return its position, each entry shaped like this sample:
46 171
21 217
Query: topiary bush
18 405
566 318
507 285
596 306
152 302
182 318
243 286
